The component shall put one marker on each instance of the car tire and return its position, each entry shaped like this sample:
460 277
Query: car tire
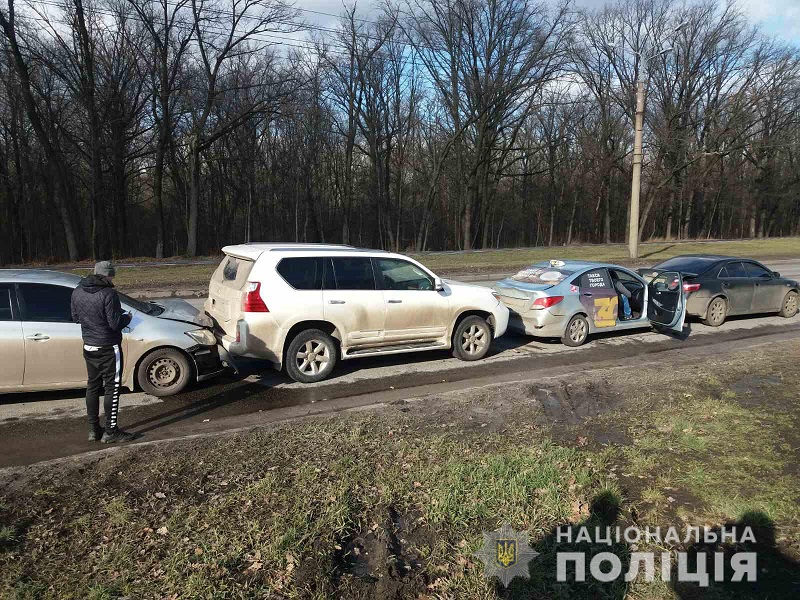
789 305
472 338
164 372
576 332
322 351
716 313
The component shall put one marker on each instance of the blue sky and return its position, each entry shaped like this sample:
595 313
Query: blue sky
777 17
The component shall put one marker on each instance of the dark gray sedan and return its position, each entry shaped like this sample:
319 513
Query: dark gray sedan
720 286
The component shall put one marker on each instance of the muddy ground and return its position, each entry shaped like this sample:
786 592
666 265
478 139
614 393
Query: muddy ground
391 501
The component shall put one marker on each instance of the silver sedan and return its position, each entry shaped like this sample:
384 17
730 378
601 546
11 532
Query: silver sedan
573 299
166 346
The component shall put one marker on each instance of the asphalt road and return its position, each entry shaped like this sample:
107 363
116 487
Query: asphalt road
42 426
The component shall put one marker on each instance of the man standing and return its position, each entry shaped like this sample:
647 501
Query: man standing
96 306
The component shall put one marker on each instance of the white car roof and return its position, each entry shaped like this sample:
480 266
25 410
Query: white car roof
253 250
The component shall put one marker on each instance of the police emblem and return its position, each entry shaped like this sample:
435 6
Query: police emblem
506 554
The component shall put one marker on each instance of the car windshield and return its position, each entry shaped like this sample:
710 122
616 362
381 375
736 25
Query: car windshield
148 308
542 275
688 264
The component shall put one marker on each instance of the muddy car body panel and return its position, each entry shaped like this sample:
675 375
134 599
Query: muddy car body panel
746 285
544 298
262 296
45 349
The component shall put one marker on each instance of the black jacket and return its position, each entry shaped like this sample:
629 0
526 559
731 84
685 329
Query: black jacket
95 305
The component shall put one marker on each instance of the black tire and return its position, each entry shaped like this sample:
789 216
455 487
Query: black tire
716 313
472 338
577 332
789 305
164 372
322 351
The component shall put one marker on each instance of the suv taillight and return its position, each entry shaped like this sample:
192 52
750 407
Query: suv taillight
691 287
252 299
546 302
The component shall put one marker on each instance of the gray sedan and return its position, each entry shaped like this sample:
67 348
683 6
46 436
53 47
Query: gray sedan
166 346
574 299
721 286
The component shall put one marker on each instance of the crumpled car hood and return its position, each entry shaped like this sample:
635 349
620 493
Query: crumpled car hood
176 309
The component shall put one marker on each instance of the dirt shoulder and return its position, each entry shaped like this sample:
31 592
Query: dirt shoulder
391 502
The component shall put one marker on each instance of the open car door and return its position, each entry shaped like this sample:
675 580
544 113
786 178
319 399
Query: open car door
666 307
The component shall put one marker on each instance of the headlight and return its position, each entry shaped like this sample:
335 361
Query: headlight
203 337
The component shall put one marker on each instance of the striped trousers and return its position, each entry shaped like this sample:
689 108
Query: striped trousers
104 367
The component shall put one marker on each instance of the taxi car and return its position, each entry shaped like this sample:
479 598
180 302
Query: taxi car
572 300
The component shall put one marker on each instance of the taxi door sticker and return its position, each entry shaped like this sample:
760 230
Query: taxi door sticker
605 311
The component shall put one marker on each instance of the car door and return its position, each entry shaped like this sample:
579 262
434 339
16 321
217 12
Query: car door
666 305
737 286
53 344
12 346
768 290
352 300
599 297
415 311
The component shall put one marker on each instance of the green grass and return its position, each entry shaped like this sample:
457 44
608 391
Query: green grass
273 512
488 261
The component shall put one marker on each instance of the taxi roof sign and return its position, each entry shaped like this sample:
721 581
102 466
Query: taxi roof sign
557 263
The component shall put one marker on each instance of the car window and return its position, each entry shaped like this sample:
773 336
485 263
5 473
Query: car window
757 271
353 273
402 275
542 275
623 276
47 303
688 264
302 272
232 272
5 304
734 269
595 279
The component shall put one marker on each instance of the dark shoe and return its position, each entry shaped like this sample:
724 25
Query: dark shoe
95 433
112 436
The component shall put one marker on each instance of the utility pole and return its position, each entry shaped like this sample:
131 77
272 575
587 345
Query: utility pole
636 186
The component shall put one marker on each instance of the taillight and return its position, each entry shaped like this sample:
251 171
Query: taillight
546 302
252 300
691 287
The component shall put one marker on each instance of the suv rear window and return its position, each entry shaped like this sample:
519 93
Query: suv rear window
233 271
302 272
353 273
5 304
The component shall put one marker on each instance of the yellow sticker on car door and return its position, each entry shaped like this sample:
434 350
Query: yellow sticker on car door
605 311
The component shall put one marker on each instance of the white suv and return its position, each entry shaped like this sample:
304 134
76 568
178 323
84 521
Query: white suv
304 306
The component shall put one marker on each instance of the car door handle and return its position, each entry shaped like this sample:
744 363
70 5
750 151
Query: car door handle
588 294
395 301
335 301
38 337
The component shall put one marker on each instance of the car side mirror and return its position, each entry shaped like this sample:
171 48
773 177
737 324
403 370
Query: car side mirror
438 285
776 274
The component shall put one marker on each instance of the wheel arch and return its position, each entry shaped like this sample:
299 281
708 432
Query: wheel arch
473 312
322 325
714 297
134 375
